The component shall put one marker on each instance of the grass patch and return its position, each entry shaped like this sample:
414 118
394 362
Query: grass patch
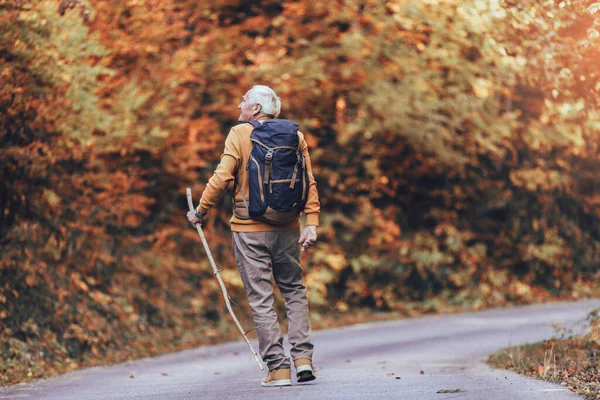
567 360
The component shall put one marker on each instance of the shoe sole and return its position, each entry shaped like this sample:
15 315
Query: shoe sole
305 376
283 382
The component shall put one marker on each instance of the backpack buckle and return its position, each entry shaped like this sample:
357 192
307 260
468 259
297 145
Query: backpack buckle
269 157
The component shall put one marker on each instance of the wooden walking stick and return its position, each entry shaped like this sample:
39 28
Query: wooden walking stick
188 193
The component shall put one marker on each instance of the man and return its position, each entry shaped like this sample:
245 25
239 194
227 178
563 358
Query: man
262 249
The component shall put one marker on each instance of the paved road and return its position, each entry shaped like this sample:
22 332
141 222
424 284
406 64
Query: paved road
359 362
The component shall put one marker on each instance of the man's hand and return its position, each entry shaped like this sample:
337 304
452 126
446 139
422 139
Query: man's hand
193 218
308 237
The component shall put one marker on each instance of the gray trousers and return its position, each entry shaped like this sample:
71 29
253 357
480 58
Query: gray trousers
260 255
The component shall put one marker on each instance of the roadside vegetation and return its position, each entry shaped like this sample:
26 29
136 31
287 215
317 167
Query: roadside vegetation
568 360
455 145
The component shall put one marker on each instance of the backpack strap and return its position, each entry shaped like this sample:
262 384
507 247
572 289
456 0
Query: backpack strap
255 124
295 173
235 188
245 202
298 164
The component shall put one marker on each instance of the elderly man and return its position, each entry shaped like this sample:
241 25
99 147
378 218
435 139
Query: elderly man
266 231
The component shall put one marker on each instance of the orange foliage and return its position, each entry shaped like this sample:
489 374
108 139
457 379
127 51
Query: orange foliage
456 155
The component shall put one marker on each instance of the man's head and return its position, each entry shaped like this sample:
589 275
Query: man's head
260 101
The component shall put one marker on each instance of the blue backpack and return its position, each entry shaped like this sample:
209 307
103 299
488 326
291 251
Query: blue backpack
277 176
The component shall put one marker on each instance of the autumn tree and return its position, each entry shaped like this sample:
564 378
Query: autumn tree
454 144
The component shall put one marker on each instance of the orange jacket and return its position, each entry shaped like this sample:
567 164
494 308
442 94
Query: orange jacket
232 168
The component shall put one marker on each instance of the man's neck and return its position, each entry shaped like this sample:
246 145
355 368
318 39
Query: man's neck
262 117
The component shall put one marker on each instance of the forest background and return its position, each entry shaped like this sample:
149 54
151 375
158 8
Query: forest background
455 146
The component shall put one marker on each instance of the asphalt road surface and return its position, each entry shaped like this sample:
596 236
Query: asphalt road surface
367 361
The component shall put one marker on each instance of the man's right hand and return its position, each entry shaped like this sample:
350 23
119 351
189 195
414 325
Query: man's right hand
192 216
308 237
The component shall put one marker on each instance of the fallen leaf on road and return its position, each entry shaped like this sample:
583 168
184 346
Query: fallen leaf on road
451 391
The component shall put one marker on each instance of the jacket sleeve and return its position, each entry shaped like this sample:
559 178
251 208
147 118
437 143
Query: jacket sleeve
224 176
313 206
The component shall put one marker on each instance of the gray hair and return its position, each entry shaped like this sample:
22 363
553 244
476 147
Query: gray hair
267 98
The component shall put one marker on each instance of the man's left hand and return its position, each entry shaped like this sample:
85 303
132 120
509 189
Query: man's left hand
308 237
191 216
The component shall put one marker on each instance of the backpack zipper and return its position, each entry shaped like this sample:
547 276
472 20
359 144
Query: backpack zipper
260 183
303 177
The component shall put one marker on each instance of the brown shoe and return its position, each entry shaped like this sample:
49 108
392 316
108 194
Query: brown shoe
304 370
278 377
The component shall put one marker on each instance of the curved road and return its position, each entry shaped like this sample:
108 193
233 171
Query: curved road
367 361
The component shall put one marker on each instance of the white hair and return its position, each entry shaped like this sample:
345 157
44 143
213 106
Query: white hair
267 98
